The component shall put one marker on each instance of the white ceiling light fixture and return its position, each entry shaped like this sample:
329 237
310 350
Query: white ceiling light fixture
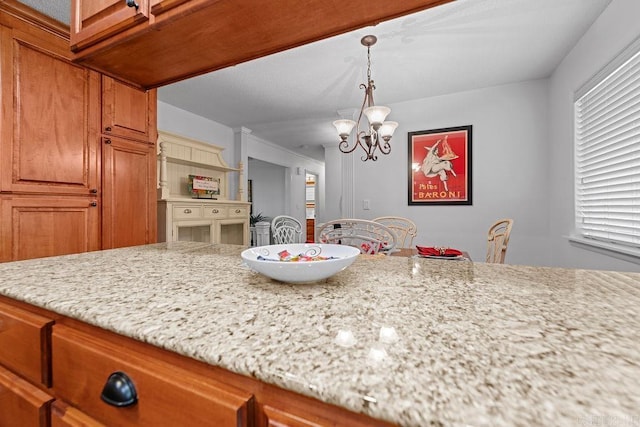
377 136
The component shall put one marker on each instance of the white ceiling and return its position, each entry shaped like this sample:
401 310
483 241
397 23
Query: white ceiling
291 98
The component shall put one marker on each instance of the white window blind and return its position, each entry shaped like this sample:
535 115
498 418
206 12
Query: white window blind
607 132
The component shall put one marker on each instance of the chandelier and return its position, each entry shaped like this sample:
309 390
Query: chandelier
377 135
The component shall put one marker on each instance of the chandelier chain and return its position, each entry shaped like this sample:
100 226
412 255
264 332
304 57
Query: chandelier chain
368 63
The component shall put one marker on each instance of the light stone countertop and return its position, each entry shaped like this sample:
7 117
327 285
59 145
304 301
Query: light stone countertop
475 344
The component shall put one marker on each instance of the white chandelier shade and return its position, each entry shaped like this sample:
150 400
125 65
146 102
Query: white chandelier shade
376 115
344 127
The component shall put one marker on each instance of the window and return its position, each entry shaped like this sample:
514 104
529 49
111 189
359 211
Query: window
607 137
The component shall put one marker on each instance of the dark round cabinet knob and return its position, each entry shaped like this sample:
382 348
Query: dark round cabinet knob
119 390
107 129
132 3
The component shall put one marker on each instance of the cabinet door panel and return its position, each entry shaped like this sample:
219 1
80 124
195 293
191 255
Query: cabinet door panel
232 231
35 227
50 143
129 202
95 20
127 111
22 404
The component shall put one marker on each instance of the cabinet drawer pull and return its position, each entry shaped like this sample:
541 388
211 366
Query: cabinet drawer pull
187 211
107 141
215 211
238 211
93 204
107 129
94 191
132 3
119 390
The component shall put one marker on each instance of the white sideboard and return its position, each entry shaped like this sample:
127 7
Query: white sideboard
181 217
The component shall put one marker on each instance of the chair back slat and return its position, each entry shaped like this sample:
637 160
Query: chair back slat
404 228
498 240
286 229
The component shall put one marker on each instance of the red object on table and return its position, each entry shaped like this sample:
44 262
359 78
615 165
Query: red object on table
437 251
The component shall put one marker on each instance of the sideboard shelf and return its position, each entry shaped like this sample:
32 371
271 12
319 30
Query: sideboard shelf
181 161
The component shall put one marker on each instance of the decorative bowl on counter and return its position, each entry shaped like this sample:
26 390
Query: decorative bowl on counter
299 262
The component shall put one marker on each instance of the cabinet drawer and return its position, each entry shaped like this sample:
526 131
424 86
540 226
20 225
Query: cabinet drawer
218 212
187 212
22 404
24 343
167 395
238 211
63 415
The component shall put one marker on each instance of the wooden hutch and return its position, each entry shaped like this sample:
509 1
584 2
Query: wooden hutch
183 217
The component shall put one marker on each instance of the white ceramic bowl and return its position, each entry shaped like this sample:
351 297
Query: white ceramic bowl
265 260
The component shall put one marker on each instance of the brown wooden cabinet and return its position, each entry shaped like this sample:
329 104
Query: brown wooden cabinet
25 357
22 404
37 226
49 118
25 347
172 389
95 20
127 111
166 394
129 215
169 40
129 197
49 147
53 165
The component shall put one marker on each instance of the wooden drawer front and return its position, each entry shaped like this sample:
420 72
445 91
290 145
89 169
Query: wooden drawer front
274 417
238 212
218 212
187 212
167 395
24 343
22 404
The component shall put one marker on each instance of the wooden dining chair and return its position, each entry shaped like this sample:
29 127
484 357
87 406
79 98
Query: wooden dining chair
404 228
497 240
286 229
369 236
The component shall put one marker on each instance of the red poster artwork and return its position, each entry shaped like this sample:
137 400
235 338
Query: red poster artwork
440 166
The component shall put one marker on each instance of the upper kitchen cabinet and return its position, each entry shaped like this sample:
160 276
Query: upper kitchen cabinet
164 41
96 20
50 116
127 111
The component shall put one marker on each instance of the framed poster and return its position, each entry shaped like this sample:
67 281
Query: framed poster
440 166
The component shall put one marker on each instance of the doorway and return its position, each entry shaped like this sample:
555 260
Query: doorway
311 198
